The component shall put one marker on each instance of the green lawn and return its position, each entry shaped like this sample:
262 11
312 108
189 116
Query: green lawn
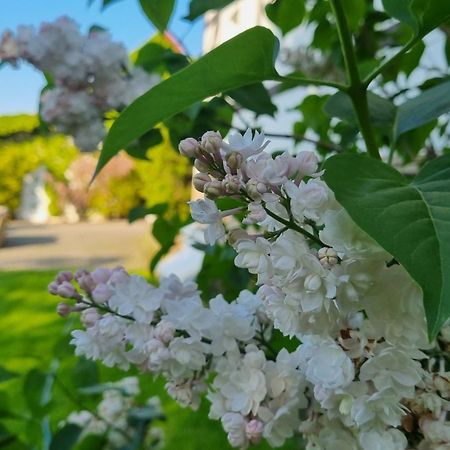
33 336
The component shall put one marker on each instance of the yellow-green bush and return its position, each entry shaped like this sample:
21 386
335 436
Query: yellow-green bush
123 184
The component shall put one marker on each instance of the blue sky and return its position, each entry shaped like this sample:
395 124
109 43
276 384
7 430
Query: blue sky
19 88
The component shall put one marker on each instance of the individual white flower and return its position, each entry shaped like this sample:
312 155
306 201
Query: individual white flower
247 145
136 298
205 211
324 363
253 256
378 410
280 425
436 431
189 314
391 439
232 324
306 164
234 425
241 381
188 355
186 393
309 200
392 368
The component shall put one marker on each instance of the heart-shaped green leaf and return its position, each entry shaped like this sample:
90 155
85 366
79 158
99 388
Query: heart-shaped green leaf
411 220
246 59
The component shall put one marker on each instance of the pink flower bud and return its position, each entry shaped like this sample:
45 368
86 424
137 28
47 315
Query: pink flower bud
189 147
211 141
89 317
238 235
254 430
63 309
53 288
102 293
67 290
64 276
201 166
213 189
86 283
119 276
234 161
200 180
101 275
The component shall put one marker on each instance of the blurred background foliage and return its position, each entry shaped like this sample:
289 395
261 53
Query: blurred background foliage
163 177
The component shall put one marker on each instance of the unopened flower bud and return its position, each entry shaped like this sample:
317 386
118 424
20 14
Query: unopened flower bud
213 189
255 188
254 430
64 276
189 147
307 163
67 290
237 235
119 276
201 166
87 283
101 275
327 257
211 141
89 317
102 293
231 184
164 331
200 180
53 288
234 161
63 309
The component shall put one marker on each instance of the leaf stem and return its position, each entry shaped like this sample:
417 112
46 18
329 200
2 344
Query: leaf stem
296 79
356 89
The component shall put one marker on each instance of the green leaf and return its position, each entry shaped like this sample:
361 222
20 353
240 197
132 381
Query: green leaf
199 7
141 211
6 375
402 11
382 111
286 14
421 15
250 59
411 220
92 442
424 108
85 373
158 11
66 437
33 390
355 11
139 148
255 98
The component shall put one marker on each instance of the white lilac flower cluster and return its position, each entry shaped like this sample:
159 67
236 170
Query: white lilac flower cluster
361 374
90 75
118 416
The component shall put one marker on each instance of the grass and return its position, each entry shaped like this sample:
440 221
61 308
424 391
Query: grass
32 335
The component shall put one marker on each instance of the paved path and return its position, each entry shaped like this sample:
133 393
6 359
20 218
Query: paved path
62 246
